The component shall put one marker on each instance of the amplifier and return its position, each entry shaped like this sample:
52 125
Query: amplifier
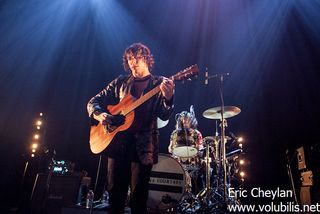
308 157
308 165
63 190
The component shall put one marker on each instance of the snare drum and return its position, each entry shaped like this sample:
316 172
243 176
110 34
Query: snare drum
184 143
168 183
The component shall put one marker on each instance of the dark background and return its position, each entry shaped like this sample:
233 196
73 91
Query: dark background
55 55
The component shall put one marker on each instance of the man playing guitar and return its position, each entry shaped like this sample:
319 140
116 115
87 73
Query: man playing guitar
132 152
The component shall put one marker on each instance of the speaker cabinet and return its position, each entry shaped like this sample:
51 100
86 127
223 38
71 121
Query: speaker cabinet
308 174
49 195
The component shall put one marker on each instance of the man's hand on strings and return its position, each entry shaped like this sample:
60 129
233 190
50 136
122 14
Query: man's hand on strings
167 88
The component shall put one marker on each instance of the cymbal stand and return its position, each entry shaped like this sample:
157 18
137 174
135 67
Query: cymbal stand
208 186
208 167
206 191
221 160
223 163
216 150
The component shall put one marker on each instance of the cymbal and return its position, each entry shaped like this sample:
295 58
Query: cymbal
215 113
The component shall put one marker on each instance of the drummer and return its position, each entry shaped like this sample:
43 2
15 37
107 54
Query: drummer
186 130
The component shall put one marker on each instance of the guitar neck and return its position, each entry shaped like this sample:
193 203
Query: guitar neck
141 100
180 76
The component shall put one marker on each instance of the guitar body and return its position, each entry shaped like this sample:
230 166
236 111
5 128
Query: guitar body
99 138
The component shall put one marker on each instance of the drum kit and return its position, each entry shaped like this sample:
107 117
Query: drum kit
194 179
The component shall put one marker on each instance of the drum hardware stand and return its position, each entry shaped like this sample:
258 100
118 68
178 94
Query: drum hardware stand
206 190
209 199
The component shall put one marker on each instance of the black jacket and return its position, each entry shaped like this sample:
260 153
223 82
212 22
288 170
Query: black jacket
146 138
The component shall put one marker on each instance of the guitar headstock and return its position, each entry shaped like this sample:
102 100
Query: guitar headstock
187 73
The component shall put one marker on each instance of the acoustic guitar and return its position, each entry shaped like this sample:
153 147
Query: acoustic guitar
100 138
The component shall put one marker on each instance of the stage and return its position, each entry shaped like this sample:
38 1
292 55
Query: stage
258 59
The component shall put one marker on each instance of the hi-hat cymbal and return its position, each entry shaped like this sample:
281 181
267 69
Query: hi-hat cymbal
215 113
216 138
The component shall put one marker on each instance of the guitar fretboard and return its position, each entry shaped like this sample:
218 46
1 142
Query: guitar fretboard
141 100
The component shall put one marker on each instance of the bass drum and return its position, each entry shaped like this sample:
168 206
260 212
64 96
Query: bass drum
168 183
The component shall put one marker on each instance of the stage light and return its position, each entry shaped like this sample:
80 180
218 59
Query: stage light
241 162
240 139
33 150
36 136
38 127
41 114
34 146
242 174
240 145
39 122
32 155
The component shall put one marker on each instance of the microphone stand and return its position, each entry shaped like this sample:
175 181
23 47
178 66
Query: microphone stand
223 162
97 174
222 146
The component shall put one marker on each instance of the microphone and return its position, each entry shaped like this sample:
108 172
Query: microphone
206 77
219 75
233 135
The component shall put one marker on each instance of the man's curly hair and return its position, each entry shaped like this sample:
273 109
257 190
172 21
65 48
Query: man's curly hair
138 49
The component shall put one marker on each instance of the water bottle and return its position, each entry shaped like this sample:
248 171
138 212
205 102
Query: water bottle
128 197
105 197
89 201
